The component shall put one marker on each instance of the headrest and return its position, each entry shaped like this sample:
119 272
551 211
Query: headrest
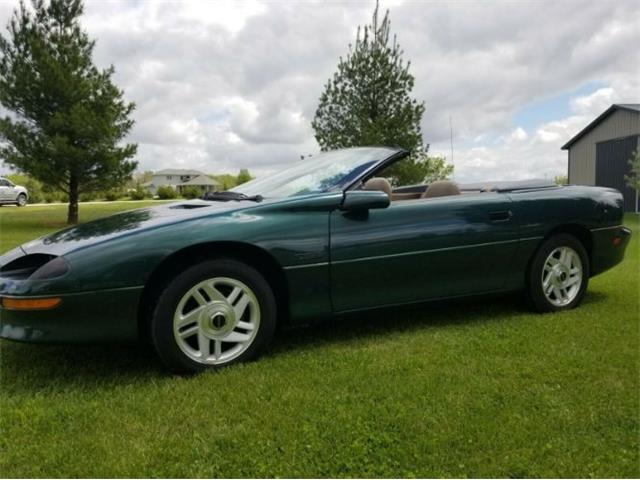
441 188
378 183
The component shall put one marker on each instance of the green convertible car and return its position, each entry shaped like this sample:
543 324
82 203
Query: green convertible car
206 281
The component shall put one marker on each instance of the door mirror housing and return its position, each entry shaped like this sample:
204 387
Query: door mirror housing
360 200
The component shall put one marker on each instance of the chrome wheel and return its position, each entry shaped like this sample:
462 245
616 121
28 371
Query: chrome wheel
22 200
562 276
216 320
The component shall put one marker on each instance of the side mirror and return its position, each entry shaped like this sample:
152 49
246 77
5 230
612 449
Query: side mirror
361 200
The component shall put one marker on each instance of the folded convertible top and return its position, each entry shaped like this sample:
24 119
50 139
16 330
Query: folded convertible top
508 186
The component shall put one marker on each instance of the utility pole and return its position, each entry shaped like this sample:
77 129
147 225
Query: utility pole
451 139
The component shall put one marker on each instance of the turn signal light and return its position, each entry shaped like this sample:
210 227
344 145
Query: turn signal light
30 303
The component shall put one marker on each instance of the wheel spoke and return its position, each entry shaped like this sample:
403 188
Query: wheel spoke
572 281
204 344
199 298
217 349
236 337
241 306
213 293
233 296
189 331
569 260
245 326
190 317
563 256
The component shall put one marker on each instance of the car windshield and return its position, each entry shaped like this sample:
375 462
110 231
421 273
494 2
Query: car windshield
320 173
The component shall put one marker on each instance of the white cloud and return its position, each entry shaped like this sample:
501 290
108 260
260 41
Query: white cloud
227 85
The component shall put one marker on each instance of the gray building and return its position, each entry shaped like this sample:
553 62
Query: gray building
599 154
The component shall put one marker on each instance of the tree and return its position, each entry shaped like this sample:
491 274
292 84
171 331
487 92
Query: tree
244 176
561 180
368 102
68 116
633 179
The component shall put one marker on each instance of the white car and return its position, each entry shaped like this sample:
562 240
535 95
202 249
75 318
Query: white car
13 194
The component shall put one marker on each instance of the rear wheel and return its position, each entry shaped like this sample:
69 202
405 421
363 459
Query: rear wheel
213 314
21 200
559 274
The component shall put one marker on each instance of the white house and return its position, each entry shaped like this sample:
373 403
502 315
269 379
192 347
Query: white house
180 178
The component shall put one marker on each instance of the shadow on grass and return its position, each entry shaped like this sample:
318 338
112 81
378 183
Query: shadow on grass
35 368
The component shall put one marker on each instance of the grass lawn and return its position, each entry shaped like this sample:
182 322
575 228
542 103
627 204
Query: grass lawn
480 388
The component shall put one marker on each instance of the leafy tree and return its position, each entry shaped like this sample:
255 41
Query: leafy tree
226 180
243 177
633 179
368 102
68 117
561 180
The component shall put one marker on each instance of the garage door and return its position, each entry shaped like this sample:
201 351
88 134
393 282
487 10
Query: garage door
612 164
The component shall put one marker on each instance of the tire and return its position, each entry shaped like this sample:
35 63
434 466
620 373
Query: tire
21 201
558 275
221 307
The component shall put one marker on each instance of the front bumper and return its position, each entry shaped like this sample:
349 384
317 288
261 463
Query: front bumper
86 317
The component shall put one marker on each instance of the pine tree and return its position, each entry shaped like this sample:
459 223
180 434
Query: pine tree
69 118
368 102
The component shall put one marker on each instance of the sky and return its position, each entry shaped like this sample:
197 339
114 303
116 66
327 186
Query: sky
220 86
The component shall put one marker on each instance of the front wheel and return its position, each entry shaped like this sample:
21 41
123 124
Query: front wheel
213 314
22 200
558 275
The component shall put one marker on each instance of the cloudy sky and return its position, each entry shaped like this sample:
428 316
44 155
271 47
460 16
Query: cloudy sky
221 86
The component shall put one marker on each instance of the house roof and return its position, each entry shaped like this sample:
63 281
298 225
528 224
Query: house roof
200 180
178 171
631 107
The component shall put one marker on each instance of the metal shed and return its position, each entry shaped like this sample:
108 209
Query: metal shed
599 153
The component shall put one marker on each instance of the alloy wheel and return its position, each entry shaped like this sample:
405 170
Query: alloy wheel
216 320
562 276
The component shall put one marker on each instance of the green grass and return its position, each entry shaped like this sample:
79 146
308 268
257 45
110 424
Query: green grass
481 388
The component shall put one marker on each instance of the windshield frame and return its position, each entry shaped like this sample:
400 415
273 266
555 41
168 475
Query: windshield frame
370 173
387 155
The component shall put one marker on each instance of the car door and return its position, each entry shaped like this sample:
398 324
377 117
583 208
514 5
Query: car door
6 189
423 249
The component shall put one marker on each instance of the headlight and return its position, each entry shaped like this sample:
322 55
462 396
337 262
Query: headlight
55 268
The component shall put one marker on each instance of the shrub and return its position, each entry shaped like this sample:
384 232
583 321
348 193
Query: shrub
139 193
165 192
191 192
112 195
88 196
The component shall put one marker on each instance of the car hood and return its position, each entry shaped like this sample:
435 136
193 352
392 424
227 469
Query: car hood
129 222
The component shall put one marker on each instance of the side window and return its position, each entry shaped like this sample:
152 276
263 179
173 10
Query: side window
406 179
4 183
406 174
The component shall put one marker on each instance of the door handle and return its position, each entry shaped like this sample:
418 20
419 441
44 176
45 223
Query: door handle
501 216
